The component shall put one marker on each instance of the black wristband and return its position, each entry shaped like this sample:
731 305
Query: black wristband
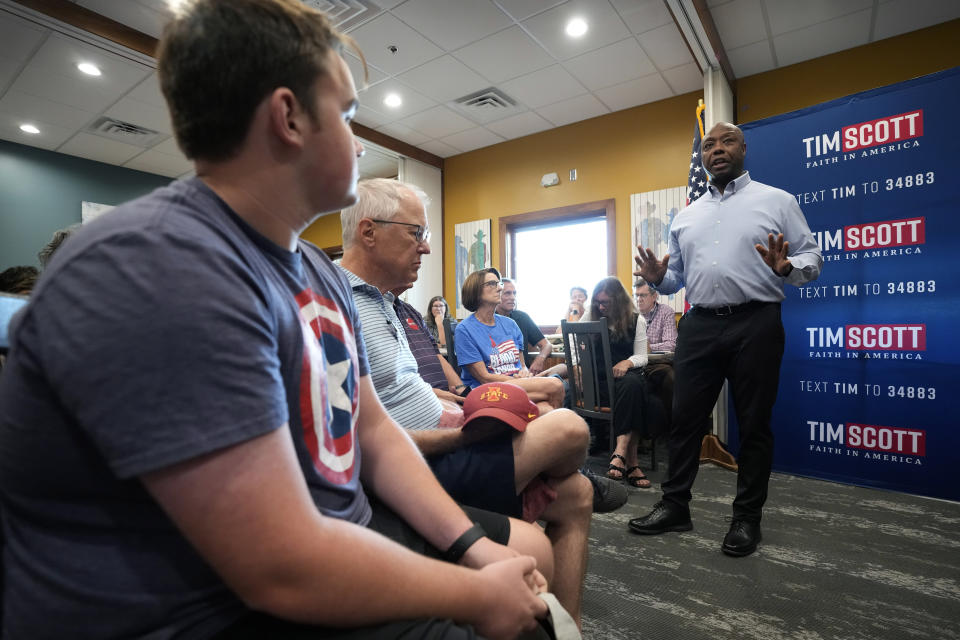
464 542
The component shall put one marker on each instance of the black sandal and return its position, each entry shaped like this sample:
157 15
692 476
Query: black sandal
615 467
637 481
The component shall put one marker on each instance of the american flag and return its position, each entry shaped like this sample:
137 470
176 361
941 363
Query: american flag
697 178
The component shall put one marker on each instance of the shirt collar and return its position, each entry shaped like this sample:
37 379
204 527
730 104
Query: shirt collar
359 284
733 186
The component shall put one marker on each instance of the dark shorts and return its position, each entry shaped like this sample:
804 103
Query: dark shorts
481 475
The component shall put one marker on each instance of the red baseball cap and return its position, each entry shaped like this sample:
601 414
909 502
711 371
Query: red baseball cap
503 401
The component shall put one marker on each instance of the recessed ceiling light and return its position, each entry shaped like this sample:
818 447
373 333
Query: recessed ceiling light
29 128
89 69
392 100
576 27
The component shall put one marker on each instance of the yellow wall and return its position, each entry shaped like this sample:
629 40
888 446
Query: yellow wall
648 147
638 149
324 232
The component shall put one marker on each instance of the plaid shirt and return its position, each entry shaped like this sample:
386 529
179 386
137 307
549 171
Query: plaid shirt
661 328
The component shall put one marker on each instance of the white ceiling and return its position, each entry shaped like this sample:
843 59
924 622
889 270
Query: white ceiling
632 54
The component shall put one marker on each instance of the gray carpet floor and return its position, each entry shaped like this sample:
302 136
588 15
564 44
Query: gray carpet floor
836 562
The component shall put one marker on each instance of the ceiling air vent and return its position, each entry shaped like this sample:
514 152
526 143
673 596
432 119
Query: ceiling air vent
124 132
345 14
487 105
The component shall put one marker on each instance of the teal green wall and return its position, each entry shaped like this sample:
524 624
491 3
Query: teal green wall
41 191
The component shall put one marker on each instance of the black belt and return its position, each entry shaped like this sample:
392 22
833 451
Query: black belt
729 310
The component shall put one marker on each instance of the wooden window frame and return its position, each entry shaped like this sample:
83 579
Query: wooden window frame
509 225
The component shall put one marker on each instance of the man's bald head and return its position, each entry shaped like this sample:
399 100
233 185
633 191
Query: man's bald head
723 150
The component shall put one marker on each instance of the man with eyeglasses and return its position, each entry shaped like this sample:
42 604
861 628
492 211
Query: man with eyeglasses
661 322
532 336
532 475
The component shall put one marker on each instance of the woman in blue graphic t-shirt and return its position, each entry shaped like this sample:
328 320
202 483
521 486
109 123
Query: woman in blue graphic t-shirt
489 345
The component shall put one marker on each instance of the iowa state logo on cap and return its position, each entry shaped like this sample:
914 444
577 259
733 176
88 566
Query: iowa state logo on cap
494 394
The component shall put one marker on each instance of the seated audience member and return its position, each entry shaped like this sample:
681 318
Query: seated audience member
628 351
447 385
575 308
532 336
437 312
531 474
488 345
192 446
19 280
59 237
661 336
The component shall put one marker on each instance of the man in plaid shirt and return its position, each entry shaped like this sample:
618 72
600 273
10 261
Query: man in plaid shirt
661 336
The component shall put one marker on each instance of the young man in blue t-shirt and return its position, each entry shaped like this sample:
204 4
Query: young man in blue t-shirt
192 444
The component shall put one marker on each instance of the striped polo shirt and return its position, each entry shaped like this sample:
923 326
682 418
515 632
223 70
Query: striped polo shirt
406 396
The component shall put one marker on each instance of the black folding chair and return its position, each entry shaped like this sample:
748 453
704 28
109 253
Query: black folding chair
590 375
587 350
451 350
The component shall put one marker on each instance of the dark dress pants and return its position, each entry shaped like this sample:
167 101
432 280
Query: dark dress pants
745 348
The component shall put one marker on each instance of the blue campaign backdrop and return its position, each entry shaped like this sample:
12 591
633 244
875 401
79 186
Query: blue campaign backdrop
870 384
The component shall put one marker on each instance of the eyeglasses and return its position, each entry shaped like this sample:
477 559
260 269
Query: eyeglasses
602 303
422 234
643 295
492 283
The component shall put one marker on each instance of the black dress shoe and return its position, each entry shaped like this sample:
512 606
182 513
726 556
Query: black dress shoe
663 518
742 538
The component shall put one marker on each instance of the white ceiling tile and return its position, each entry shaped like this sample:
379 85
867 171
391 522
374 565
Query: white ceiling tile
149 92
159 164
169 147
413 102
823 38
401 132
543 87
740 23
438 148
370 118
472 139
453 23
610 65
387 4
522 124
438 122
29 107
520 10
444 79
901 16
50 136
665 47
93 147
52 74
505 55
574 110
19 37
385 30
684 78
378 167
141 114
8 71
604 26
751 59
635 92
790 16
643 15
374 75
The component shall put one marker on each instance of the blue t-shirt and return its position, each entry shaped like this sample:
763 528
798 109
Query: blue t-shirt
162 331
497 347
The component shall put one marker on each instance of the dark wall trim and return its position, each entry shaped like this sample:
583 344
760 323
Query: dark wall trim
710 27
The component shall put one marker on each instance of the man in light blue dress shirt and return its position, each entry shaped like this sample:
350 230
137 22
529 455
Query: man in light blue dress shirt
733 249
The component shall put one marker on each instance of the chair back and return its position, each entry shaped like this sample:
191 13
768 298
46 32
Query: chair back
9 305
451 349
590 370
